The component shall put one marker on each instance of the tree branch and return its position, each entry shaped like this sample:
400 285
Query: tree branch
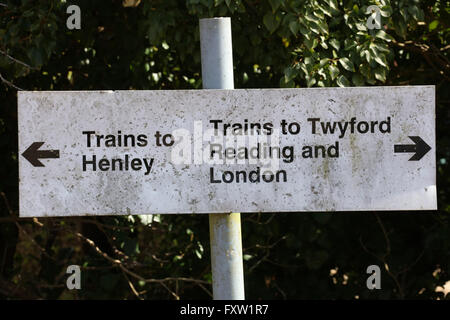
119 264
9 83
17 61
434 56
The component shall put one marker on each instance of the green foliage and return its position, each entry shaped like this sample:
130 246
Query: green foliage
287 43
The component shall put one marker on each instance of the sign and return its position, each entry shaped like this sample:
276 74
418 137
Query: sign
216 151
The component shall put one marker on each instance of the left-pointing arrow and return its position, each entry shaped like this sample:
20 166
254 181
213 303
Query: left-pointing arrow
33 154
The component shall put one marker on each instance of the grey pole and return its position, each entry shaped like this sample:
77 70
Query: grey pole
225 229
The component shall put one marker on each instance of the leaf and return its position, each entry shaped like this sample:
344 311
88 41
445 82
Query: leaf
323 27
325 11
311 44
275 4
290 73
333 4
35 56
386 11
271 22
358 80
349 44
383 35
321 72
335 44
311 81
382 47
323 42
367 54
365 70
319 14
361 26
306 32
294 26
381 59
380 74
347 64
342 81
314 27
247 257
334 71
146 219
400 28
323 62
415 13
433 25
311 18
199 251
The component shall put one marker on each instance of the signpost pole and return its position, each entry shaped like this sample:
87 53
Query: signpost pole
225 229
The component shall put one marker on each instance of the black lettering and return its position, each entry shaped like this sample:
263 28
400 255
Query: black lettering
342 129
334 147
252 173
129 140
316 151
256 126
243 174
307 152
211 176
110 141
216 125
288 154
328 128
313 124
215 148
171 140
119 163
267 176
99 139
268 127
230 179
103 164
158 136
388 125
362 124
372 126
88 137
142 140
92 162
279 173
148 165
136 164
295 130
283 124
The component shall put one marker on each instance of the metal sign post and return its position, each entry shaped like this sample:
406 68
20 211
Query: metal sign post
225 229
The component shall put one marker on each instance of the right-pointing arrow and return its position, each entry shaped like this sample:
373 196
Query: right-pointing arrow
420 148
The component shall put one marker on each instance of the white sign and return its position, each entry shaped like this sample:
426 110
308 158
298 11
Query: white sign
215 151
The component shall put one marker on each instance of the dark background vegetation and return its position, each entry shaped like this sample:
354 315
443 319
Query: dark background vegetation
155 45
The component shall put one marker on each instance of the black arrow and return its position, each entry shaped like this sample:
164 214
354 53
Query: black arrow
33 155
420 148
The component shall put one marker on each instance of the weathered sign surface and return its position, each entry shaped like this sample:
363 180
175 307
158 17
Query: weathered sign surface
215 151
